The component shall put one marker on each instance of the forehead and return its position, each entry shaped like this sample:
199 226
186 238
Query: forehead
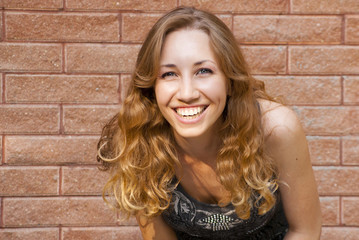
187 44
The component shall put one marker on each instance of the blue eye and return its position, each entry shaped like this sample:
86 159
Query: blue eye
204 71
168 74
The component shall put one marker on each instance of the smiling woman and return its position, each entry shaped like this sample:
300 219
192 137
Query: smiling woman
199 149
191 90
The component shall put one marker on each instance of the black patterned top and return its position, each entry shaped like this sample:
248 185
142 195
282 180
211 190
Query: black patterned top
191 219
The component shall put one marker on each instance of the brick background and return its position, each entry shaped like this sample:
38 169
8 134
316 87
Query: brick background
64 69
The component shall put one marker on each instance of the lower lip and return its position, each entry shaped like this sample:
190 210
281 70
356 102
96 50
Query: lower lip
191 121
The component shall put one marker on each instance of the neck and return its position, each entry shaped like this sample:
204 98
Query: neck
202 148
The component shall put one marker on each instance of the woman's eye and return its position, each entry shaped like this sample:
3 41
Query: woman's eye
168 74
204 71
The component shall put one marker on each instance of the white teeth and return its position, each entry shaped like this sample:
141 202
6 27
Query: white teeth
189 112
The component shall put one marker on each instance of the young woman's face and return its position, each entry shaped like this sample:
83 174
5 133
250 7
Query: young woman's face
191 89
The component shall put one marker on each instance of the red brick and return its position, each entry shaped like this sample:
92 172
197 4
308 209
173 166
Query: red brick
351 150
324 150
227 19
330 210
287 29
84 119
28 181
60 88
149 5
1 157
313 90
265 59
337 180
351 89
352 29
29 233
50 150
22 57
325 6
324 59
94 27
1 28
29 119
53 211
83 180
340 233
101 58
102 233
122 221
32 4
1 88
135 26
240 6
125 83
350 211
329 120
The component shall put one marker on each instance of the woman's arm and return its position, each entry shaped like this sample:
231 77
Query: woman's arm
287 145
154 228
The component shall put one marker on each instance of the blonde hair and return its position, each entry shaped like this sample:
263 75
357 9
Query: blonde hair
138 148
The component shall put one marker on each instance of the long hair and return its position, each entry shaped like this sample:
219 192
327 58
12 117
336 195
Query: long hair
138 148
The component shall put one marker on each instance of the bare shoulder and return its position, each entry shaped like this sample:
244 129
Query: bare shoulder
282 127
278 118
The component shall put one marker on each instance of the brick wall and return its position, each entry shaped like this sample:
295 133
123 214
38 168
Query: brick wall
64 65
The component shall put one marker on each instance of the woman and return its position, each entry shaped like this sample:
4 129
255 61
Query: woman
199 150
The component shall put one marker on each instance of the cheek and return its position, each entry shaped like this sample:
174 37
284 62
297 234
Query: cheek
216 90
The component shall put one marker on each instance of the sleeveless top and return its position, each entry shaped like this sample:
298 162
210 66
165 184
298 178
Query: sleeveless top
194 220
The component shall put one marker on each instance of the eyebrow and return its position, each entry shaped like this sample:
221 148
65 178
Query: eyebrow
170 65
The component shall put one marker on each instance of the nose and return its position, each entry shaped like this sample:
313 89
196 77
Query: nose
188 91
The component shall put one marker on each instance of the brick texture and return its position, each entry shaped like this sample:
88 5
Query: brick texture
32 4
329 120
29 234
21 57
84 119
81 211
240 6
351 86
352 29
350 206
128 233
287 29
149 5
29 119
65 67
337 180
351 150
83 180
1 157
58 88
49 150
100 58
266 59
324 6
324 150
330 210
62 27
136 26
324 60
305 90
25 181
340 233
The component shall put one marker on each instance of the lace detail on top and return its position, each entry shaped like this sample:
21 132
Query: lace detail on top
191 219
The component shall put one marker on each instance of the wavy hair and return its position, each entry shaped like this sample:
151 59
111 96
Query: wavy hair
138 148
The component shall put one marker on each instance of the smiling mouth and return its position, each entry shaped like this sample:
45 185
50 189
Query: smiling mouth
190 112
